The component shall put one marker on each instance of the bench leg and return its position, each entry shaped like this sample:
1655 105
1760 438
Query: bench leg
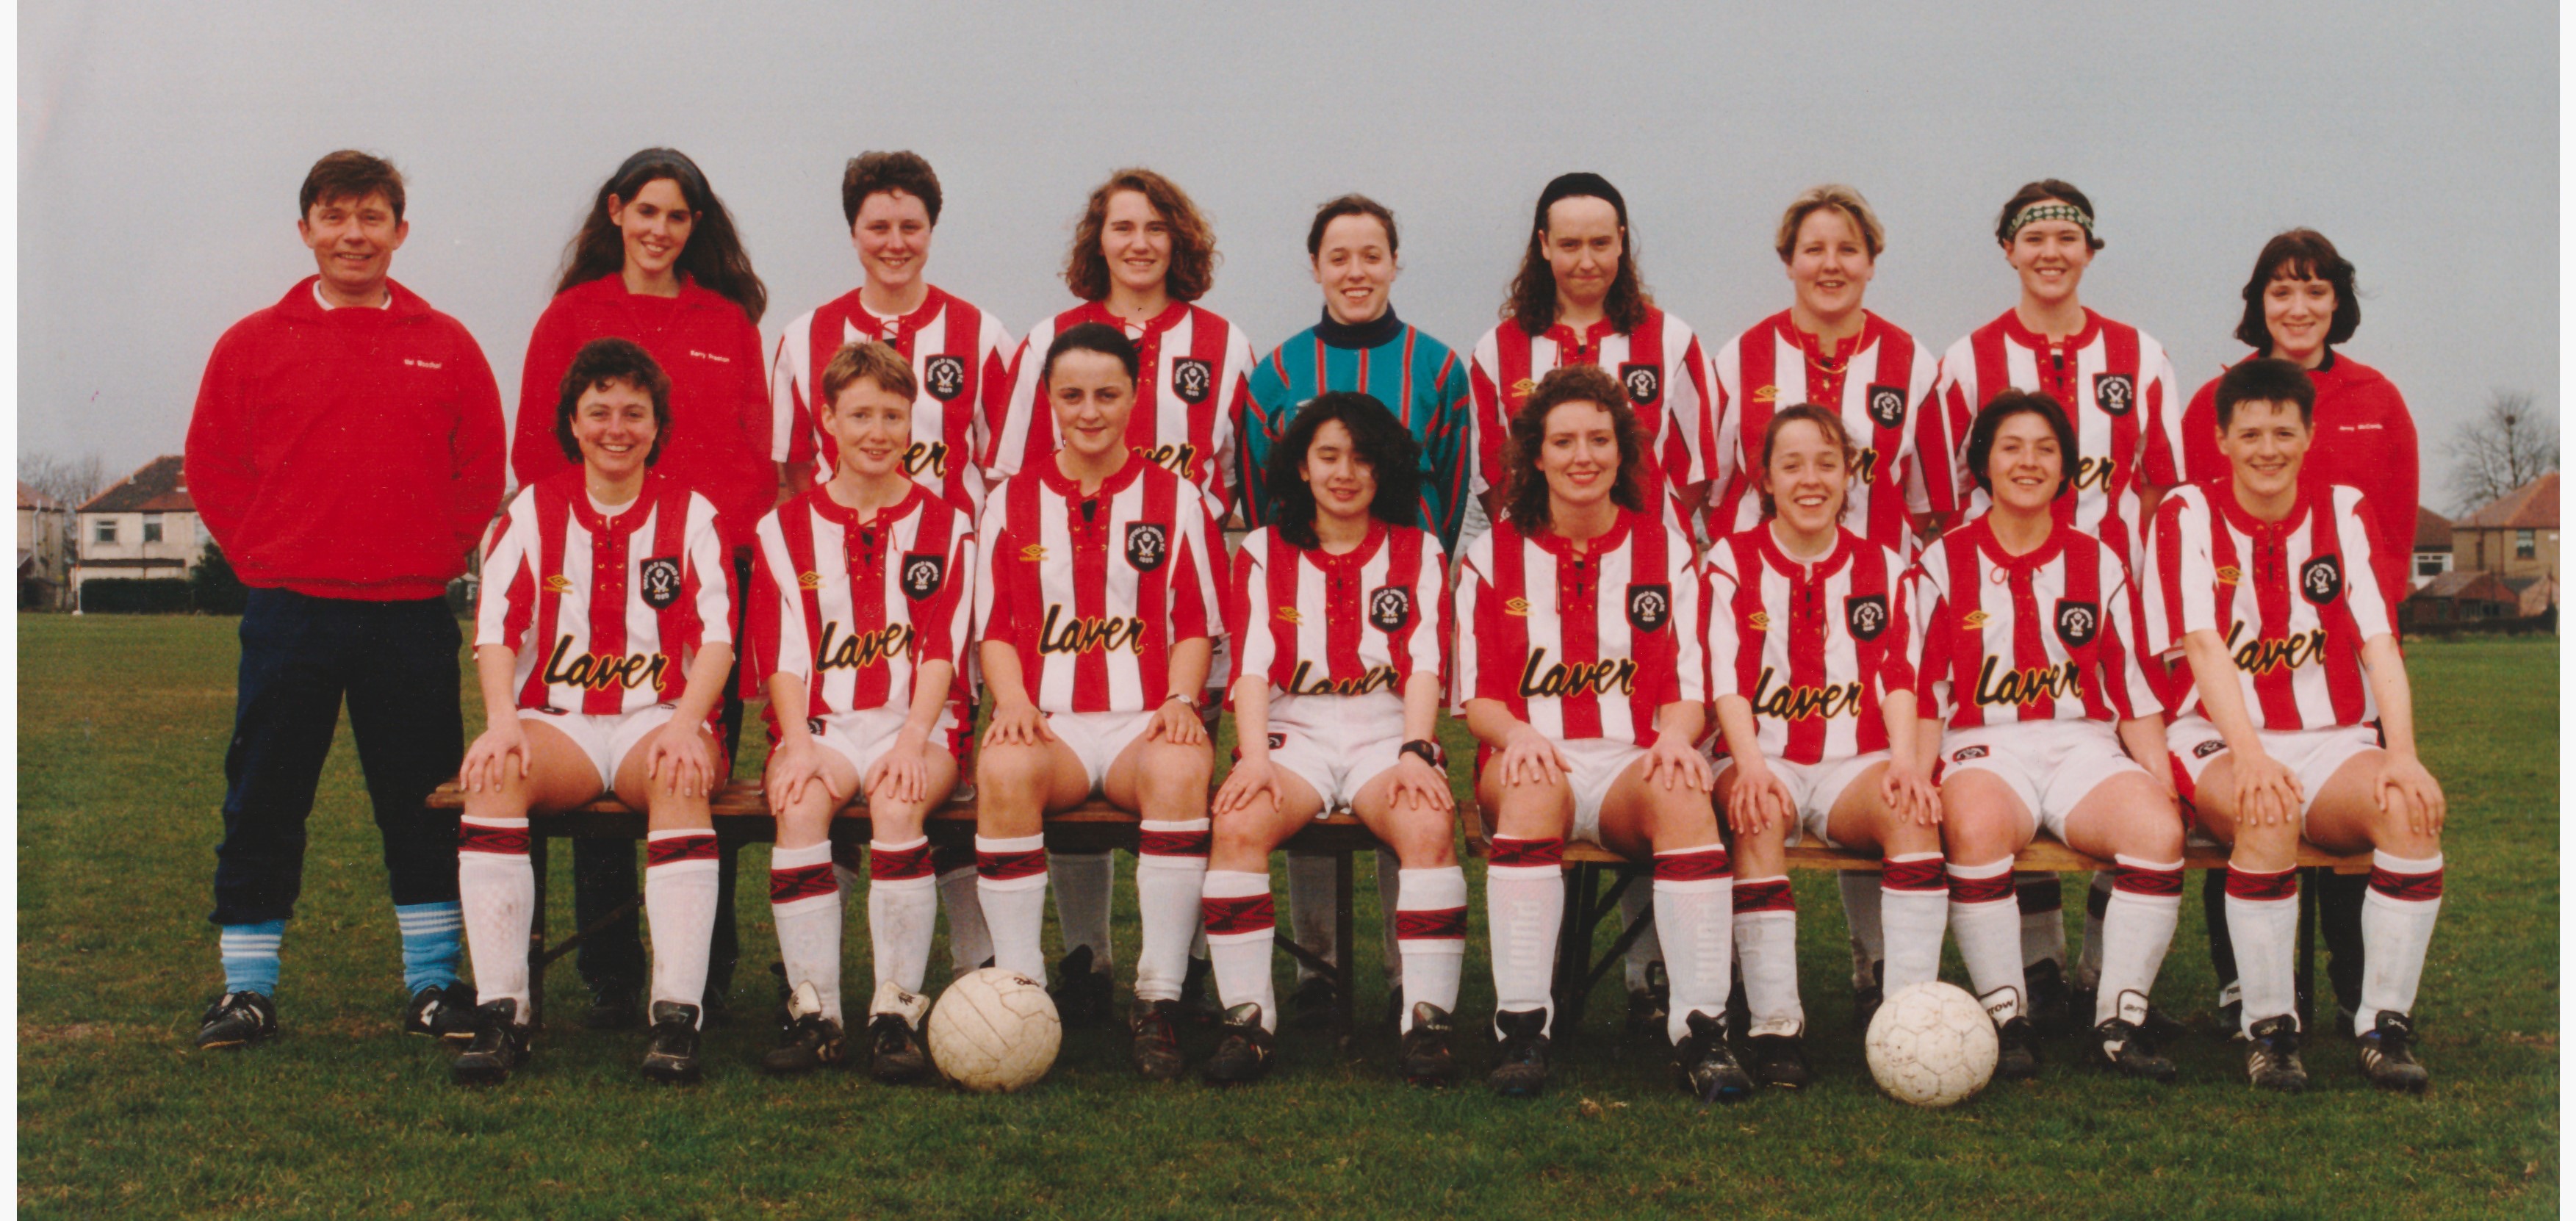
1574 948
2306 972
1596 971
1345 974
537 937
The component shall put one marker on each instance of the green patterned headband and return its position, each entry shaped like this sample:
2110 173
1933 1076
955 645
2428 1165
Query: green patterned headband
2049 210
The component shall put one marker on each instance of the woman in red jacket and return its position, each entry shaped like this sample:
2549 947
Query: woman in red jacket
657 261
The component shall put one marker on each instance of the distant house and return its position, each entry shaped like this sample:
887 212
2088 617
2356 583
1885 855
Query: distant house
2514 535
2459 597
2432 546
2538 594
44 551
145 526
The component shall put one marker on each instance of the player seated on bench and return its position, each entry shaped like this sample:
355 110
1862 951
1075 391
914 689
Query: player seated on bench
2299 720
1809 636
1581 671
2029 641
1340 608
1096 607
859 609
602 643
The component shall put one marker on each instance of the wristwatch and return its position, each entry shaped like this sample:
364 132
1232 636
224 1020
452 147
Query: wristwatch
1427 751
1183 697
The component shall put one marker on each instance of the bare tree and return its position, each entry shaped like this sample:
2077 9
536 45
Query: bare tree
2510 443
69 480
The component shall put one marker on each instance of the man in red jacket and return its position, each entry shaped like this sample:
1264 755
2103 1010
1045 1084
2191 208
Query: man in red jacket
345 452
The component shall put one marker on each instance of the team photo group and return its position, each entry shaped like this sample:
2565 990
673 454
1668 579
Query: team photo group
1697 603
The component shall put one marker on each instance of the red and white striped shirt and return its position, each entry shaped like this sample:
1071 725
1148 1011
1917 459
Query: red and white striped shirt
2048 636
958 356
1660 365
1814 647
1194 379
854 610
1879 383
1360 624
1094 600
2118 389
1582 646
617 604
2294 599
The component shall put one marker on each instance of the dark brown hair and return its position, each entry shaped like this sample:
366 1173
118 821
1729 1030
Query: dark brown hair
352 175
2265 379
1377 440
1525 489
714 256
2004 406
1532 303
1192 270
905 171
1826 422
603 362
874 360
2033 192
1347 205
2300 254
1090 337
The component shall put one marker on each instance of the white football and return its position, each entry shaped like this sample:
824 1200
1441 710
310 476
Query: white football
995 1031
1931 1045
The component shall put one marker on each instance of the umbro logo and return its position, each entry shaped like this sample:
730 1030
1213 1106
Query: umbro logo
1517 608
809 580
558 584
1288 614
1034 553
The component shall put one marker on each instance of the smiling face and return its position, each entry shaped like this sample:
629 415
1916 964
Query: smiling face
1807 477
613 423
1582 242
1092 396
2050 256
2265 444
655 225
1830 265
1578 455
1356 267
892 236
2299 313
1344 484
2025 466
1137 241
870 427
353 242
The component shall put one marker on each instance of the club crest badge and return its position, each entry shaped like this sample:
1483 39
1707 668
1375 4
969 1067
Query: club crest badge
1865 616
2208 748
2115 393
922 574
944 376
1887 406
1148 545
1644 383
1192 378
2078 622
2321 579
1650 607
1390 608
660 579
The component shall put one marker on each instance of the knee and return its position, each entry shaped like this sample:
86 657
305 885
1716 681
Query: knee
1420 844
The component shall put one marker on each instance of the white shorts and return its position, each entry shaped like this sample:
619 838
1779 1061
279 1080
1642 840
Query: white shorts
2313 755
607 737
1598 763
1817 788
2051 765
1097 737
1335 743
865 736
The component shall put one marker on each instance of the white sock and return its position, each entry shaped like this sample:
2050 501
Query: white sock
1862 919
1766 952
499 891
1010 885
1524 908
2043 917
2263 922
1695 901
680 912
1914 895
1082 881
805 904
2396 928
1430 927
2137 928
2097 907
1311 895
1390 892
1171 872
903 910
1241 925
1638 903
1986 922
968 944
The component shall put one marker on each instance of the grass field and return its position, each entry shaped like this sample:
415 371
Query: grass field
122 724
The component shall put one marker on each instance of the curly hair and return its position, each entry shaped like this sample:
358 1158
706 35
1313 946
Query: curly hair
2004 406
1827 423
1194 258
1525 489
1532 302
1377 440
2300 254
606 362
714 256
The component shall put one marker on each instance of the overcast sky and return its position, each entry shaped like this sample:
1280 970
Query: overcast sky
160 148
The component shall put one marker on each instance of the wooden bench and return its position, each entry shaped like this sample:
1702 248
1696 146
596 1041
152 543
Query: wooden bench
1587 904
742 816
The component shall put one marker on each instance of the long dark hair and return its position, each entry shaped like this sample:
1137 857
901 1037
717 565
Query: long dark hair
1533 298
1525 489
714 256
1377 440
2302 254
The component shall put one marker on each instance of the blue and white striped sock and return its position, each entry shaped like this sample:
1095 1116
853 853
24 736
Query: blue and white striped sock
433 939
250 956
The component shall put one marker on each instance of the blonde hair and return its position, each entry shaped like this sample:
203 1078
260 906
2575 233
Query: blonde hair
1841 198
873 360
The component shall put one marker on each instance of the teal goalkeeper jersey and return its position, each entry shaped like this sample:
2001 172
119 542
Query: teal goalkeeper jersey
1415 375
